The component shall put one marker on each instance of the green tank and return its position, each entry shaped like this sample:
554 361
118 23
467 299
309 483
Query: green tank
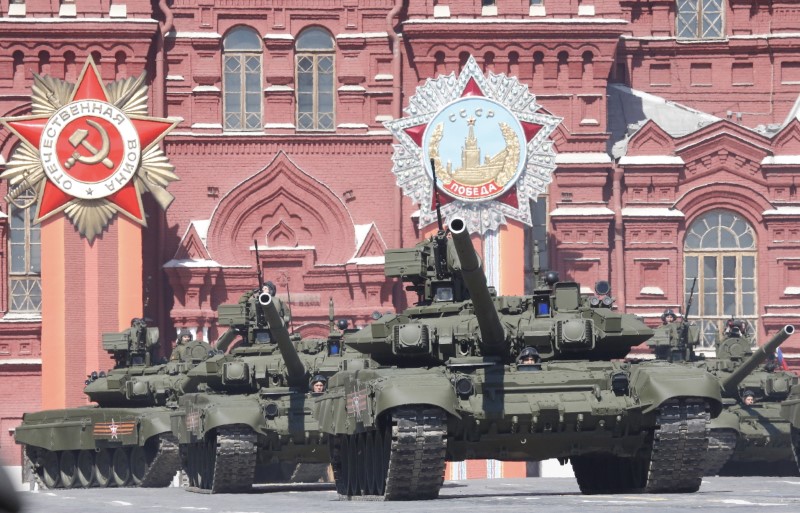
123 440
790 411
745 440
251 421
444 381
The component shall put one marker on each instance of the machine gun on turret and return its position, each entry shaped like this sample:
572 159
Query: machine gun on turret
131 346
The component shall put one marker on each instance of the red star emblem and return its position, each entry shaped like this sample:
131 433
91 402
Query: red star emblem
417 132
90 149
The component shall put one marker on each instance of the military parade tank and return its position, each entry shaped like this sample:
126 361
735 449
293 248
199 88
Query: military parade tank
790 411
251 421
123 440
442 381
746 439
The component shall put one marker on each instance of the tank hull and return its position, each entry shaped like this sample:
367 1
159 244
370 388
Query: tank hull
244 442
97 447
563 410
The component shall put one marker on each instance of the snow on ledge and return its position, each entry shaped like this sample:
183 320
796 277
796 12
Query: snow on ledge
781 160
782 211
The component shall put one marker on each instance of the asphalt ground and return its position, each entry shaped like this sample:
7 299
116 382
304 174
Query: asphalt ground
489 495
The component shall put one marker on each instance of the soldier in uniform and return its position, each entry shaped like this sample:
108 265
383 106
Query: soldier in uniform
529 359
184 337
748 398
318 383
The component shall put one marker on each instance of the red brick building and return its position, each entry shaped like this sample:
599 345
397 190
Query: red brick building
677 155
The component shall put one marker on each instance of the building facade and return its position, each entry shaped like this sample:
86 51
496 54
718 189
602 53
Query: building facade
676 158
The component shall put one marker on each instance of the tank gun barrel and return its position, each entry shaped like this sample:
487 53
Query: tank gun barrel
492 332
297 371
730 383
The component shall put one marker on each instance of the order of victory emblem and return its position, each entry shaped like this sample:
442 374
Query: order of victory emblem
88 150
486 142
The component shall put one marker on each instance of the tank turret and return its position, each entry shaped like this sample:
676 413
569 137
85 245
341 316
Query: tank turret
731 382
131 346
294 366
492 338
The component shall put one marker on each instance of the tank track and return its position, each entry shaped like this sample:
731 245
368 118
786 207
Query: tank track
235 460
681 435
669 464
412 459
795 436
159 474
721 443
165 464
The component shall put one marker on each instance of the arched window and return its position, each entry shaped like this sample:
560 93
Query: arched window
241 65
315 88
720 250
25 257
700 19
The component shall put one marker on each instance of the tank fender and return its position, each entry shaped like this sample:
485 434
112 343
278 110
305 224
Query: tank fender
152 425
726 420
434 392
239 414
790 408
656 383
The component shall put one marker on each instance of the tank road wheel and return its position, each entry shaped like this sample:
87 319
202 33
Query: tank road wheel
68 470
139 465
85 469
370 463
121 467
679 447
338 462
50 469
103 474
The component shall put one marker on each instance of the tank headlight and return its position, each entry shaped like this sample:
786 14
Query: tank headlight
608 301
464 387
620 384
270 410
595 301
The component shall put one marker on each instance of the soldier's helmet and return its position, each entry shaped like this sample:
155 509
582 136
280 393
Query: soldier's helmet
271 289
736 328
185 333
748 393
528 353
319 378
669 313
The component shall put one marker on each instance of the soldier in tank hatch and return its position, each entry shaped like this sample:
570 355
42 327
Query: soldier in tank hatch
318 383
748 397
184 337
529 359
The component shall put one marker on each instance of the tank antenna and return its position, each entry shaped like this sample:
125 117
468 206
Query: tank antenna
436 196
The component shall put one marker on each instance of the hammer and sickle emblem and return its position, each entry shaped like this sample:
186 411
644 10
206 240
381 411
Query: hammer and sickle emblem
78 138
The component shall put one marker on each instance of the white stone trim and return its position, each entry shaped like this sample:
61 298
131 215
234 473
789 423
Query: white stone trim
278 125
68 10
352 88
175 78
489 10
650 160
441 11
581 211
365 35
514 21
781 160
20 361
206 89
352 125
118 11
16 10
279 37
537 10
384 76
583 158
585 10
651 212
651 291
194 35
207 125
283 88
782 211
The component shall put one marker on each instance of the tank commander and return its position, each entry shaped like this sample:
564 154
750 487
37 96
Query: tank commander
318 383
184 337
668 317
748 398
529 359
736 328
